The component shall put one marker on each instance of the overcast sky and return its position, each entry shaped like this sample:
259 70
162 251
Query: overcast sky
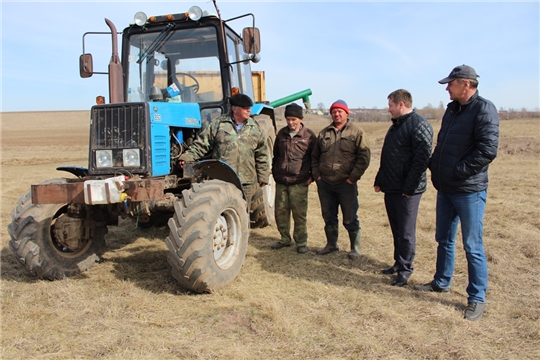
356 51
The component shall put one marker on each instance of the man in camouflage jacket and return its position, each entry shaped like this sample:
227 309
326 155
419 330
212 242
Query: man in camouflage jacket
237 140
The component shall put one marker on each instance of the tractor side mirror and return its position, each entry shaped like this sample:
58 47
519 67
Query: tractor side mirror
86 68
252 40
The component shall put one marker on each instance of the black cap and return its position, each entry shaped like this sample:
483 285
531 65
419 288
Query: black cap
241 100
294 110
460 72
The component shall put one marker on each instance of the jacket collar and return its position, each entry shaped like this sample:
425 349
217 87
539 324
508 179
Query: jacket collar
300 132
456 105
402 118
249 120
342 128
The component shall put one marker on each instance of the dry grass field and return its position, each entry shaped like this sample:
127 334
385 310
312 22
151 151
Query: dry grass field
283 305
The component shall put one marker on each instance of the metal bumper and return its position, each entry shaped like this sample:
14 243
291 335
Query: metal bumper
73 192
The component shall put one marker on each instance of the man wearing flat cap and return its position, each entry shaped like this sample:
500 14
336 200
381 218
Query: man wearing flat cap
291 168
467 143
340 158
239 141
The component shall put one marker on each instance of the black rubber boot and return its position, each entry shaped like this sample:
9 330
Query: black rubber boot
354 236
331 240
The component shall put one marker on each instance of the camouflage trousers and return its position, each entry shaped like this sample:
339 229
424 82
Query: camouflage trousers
249 191
292 199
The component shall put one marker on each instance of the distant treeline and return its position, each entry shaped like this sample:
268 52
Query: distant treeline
435 113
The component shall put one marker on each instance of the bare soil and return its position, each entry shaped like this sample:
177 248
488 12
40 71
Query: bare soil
283 305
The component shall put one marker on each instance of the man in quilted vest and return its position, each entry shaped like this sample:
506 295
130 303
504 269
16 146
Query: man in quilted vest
402 178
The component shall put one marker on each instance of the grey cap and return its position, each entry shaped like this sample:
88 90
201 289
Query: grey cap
460 72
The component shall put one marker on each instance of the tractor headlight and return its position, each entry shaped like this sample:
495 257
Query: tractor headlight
140 18
131 157
104 158
195 13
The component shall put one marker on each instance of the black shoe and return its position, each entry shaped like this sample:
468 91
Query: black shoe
278 245
474 311
431 287
327 250
390 270
400 280
302 249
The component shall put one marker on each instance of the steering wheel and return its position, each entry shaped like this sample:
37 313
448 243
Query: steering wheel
194 87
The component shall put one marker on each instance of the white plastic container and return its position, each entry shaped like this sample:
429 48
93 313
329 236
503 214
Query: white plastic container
106 191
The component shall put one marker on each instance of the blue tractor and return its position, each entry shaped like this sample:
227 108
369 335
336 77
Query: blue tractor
175 74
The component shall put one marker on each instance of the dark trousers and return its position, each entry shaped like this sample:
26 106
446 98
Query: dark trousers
402 213
342 195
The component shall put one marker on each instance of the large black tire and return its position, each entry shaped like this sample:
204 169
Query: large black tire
36 247
208 236
262 204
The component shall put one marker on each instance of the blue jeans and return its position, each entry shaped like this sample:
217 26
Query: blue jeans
342 195
469 209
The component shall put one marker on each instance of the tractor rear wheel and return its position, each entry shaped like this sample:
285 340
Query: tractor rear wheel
50 244
208 236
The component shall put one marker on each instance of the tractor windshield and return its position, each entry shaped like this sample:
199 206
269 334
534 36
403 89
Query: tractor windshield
187 58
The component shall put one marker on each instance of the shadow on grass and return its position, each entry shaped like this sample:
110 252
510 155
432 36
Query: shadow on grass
144 265
12 270
336 269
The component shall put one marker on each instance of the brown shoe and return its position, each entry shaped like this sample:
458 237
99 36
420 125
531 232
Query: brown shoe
302 249
278 245
431 287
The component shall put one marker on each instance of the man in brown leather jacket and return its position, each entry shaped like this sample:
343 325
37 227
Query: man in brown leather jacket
340 158
291 168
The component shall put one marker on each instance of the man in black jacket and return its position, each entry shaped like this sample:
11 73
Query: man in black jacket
402 178
467 143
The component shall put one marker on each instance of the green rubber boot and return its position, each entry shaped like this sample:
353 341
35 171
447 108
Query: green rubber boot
354 236
332 233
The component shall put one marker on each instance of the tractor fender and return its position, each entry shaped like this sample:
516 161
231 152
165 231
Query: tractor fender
78 171
263 109
217 170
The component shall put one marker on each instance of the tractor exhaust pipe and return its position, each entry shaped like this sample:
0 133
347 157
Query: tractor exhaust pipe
116 87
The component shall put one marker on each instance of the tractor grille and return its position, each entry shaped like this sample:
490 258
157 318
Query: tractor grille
119 126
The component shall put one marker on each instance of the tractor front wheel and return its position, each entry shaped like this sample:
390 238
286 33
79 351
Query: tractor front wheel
208 236
50 244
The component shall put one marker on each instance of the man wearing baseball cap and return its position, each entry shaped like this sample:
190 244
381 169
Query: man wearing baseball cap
340 157
467 143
